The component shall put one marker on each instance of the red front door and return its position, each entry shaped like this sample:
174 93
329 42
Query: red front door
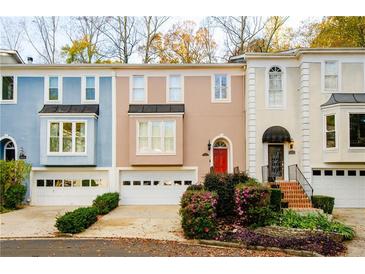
220 160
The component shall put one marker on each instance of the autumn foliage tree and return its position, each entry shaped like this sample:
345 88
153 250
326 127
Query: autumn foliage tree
184 44
80 51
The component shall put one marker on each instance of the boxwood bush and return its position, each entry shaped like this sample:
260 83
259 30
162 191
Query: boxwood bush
77 221
325 203
106 202
14 196
195 187
198 214
224 185
275 199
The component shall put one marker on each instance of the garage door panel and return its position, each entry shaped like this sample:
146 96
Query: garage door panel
167 192
349 191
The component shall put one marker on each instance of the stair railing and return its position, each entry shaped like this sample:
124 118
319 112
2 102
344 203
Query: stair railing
296 174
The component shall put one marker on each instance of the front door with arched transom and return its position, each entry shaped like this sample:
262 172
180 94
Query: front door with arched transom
220 157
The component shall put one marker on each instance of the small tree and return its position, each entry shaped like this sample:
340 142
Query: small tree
12 173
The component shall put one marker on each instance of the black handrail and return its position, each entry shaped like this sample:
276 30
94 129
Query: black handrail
296 174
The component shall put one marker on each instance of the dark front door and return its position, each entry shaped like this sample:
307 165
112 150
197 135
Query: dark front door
220 161
276 162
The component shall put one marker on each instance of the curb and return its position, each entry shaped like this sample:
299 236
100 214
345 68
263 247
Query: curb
301 253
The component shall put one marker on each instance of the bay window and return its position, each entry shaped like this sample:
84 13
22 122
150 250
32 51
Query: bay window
357 130
330 131
156 137
67 137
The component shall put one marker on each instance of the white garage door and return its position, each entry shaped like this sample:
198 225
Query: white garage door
155 187
347 186
67 188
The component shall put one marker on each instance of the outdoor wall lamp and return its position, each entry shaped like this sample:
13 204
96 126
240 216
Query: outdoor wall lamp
209 145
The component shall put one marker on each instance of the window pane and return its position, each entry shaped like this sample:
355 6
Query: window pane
169 129
67 137
80 129
357 130
53 82
224 81
54 132
54 137
330 82
53 94
175 81
90 82
223 93
169 144
90 94
76 183
175 94
156 129
331 68
217 80
275 98
40 182
8 88
217 92
95 182
138 82
156 144
138 94
330 122
143 129
143 144
58 183
330 139
80 137
85 182
49 183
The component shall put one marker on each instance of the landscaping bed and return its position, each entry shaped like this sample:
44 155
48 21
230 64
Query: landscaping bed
250 214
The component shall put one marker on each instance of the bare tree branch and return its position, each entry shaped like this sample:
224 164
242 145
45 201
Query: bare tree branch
12 33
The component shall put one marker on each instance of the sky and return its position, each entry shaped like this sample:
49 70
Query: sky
26 50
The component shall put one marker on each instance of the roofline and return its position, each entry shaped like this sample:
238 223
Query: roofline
298 52
15 53
121 66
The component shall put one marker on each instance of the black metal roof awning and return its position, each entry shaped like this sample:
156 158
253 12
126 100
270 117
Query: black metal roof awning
276 134
345 98
157 108
73 109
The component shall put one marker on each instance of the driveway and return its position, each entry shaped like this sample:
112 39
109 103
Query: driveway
31 221
149 222
354 217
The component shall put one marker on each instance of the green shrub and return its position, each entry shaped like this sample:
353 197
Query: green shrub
261 216
14 196
77 221
252 204
224 185
12 173
106 202
275 199
325 203
195 188
312 221
198 214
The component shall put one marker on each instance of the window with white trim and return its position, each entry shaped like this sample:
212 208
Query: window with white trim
175 89
357 130
138 89
220 88
90 90
331 75
67 137
156 137
330 131
276 92
53 89
8 88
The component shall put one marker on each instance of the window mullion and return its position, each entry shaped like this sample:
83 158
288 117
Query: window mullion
73 136
162 136
149 135
60 136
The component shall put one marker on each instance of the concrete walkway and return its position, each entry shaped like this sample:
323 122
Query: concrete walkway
354 217
150 222
31 221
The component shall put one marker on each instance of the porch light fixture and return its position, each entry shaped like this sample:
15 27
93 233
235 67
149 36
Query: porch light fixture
22 155
209 145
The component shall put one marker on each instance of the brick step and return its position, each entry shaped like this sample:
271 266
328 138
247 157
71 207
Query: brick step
294 194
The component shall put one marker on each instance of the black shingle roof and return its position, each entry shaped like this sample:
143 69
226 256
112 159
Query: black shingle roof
70 109
157 108
349 98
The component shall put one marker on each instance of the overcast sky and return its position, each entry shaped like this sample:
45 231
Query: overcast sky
27 50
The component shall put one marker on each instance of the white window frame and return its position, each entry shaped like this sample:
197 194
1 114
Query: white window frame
149 137
60 152
226 100
339 76
182 79
348 129
325 131
83 90
267 87
15 91
145 79
46 90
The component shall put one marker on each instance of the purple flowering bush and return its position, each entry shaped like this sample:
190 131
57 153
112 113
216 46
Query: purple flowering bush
252 204
198 214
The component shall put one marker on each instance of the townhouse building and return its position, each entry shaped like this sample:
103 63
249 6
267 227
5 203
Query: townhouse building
146 131
306 120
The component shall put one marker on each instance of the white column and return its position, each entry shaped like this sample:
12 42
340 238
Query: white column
251 122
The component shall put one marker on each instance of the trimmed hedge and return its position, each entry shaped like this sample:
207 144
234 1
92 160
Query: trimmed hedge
224 185
77 221
198 214
106 202
14 196
325 203
195 188
275 199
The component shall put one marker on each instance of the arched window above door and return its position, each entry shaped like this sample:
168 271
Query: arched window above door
220 143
